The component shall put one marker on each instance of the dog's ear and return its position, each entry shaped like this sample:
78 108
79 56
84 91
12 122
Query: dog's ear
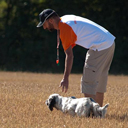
50 103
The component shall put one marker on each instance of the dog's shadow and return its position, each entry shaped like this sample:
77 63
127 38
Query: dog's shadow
123 117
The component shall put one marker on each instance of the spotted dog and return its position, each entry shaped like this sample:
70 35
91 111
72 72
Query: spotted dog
76 106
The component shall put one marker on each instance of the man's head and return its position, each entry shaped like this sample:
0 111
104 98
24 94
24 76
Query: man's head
48 18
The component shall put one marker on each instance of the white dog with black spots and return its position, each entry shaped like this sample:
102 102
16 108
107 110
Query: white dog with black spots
81 107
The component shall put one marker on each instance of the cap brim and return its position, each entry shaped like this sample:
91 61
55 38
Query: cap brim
40 24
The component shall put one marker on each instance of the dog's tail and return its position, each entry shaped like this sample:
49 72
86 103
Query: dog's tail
102 110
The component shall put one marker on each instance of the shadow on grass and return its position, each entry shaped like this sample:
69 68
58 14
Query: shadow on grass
123 117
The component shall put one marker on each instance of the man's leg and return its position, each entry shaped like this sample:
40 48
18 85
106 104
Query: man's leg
99 98
103 60
101 89
89 79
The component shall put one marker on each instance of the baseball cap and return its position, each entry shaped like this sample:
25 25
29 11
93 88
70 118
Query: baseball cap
43 16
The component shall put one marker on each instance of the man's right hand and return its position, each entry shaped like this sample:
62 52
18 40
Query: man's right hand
64 84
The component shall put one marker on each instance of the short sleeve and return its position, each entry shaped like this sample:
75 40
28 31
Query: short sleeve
67 35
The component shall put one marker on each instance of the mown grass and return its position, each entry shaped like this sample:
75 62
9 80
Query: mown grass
23 96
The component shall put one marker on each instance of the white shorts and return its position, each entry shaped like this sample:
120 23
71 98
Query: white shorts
95 72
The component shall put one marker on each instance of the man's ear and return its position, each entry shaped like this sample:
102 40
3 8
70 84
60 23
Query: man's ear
50 20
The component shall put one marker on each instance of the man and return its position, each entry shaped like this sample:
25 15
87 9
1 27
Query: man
75 30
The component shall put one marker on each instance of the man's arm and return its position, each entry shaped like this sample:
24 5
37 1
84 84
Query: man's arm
68 66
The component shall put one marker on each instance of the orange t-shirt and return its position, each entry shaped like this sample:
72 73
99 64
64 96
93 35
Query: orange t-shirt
67 35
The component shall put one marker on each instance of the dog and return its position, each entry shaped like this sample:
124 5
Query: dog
81 107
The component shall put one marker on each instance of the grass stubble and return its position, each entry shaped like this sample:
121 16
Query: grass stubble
23 96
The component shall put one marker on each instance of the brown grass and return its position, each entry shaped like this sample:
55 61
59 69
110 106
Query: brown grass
23 96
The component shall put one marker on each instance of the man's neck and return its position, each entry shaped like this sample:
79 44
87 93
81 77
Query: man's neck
57 20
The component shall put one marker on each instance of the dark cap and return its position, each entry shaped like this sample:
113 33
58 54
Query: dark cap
43 16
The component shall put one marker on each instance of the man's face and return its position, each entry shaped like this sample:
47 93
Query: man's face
48 26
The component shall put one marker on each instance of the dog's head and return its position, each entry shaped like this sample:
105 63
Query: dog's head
51 101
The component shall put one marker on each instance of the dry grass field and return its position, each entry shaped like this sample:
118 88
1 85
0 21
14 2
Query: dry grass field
23 96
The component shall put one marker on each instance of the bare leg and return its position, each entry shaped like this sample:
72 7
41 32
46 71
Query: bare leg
99 98
89 95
